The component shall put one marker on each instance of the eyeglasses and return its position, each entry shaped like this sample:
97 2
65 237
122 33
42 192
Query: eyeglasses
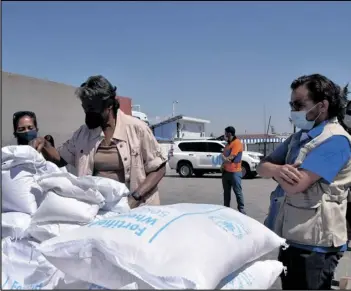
296 105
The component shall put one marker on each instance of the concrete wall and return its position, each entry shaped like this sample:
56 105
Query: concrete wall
58 111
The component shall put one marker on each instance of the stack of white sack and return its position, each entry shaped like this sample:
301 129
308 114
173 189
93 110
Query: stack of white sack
71 202
181 246
40 202
21 194
20 165
23 267
90 239
256 275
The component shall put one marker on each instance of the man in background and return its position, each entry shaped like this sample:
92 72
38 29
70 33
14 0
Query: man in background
231 174
347 123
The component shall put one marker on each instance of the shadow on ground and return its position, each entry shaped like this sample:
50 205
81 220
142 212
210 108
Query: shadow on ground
210 176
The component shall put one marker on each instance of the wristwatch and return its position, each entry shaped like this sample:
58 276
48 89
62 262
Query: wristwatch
136 196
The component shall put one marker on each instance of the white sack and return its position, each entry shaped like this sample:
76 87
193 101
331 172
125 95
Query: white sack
23 267
121 207
257 275
64 169
68 185
104 214
20 167
131 286
14 224
177 246
112 190
52 168
20 190
81 285
42 232
47 283
12 156
56 208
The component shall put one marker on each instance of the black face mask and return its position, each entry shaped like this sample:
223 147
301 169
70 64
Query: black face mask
23 138
93 120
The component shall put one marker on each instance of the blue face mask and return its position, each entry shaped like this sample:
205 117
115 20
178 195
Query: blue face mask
299 119
23 138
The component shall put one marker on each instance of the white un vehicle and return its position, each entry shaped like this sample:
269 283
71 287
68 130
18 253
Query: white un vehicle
201 157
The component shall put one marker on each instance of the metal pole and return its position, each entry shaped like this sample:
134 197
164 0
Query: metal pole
173 108
264 118
267 132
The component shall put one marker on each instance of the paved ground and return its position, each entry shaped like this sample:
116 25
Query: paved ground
208 189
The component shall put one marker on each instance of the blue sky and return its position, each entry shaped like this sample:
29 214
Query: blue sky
223 61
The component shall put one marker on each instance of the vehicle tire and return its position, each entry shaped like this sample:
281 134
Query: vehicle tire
245 171
185 170
254 174
198 173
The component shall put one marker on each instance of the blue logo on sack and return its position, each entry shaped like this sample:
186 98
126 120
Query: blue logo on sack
234 227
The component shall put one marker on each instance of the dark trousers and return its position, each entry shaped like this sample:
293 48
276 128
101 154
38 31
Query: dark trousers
348 220
306 270
229 181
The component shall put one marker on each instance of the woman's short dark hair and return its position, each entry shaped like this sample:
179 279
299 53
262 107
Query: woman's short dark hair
98 87
19 114
321 88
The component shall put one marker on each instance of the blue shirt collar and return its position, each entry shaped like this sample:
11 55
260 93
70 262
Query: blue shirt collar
314 132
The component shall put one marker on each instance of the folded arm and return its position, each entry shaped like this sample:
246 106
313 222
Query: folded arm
270 164
323 162
235 150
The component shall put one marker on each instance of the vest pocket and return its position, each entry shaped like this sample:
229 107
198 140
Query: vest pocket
279 218
302 225
274 217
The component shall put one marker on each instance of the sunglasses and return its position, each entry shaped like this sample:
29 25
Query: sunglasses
296 105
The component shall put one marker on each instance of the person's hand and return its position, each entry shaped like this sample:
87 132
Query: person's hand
225 159
289 173
38 143
134 203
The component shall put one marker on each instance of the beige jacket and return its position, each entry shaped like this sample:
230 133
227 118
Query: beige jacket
317 216
138 148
